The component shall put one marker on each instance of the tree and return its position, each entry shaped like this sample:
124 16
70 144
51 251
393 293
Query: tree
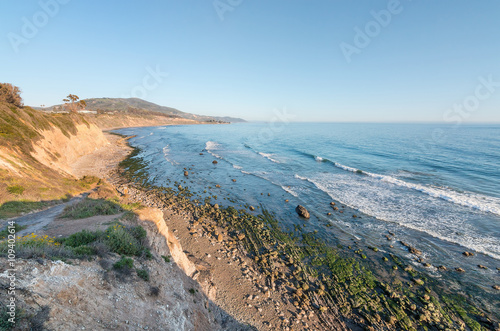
73 103
11 94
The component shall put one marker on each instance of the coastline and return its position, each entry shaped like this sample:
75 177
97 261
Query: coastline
224 270
289 287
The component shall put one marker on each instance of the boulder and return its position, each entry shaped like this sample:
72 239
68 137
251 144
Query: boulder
302 211
468 254
215 162
186 173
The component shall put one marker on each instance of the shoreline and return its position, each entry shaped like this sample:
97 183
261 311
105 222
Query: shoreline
191 231
228 276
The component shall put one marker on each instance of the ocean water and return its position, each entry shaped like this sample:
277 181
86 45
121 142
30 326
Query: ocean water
436 187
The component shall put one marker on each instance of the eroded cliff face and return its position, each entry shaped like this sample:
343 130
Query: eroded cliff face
91 295
58 151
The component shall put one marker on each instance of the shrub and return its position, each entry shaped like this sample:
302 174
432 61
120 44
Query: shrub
124 263
121 241
5 232
11 94
34 246
84 237
166 258
154 291
16 189
85 250
138 232
143 273
90 207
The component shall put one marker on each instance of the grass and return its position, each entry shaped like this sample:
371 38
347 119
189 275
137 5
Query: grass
119 239
16 189
15 208
5 232
91 207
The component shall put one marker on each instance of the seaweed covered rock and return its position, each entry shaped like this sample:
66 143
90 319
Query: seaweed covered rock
302 211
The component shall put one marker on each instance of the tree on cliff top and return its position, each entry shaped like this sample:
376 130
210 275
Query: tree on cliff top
73 103
11 94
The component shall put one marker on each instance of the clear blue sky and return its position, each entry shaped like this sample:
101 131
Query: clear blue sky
264 55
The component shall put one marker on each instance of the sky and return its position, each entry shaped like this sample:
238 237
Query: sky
321 60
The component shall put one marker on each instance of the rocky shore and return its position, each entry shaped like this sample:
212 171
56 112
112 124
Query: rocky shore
272 279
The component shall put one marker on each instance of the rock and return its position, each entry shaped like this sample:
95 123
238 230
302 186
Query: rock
201 153
332 203
186 173
459 270
328 214
252 208
496 287
218 186
335 208
241 236
219 238
302 211
354 216
468 254
482 266
286 200
215 162
234 180
442 267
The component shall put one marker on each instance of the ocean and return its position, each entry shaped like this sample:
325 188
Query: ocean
435 187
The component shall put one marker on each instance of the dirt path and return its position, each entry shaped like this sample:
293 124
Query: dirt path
36 222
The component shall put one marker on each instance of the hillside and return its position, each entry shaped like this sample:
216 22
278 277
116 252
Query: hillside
135 105
37 150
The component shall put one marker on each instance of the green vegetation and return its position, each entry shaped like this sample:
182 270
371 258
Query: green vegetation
16 189
15 208
143 273
5 232
119 239
324 276
91 207
166 258
124 263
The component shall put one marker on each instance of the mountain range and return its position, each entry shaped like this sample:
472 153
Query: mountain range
114 105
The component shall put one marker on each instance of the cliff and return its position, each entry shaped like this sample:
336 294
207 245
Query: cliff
37 149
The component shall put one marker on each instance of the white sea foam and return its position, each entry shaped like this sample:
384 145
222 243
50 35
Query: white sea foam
289 190
211 146
381 200
466 199
269 157
166 155
237 167
318 158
